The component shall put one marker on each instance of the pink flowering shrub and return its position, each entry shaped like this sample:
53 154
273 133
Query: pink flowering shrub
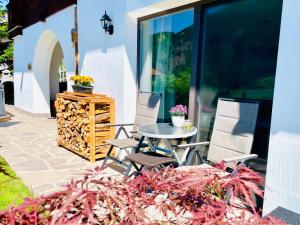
179 110
194 196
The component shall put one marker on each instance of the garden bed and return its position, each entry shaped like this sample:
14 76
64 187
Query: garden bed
12 189
196 196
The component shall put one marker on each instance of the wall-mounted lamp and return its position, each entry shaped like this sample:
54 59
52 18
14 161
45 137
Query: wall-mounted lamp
106 24
29 66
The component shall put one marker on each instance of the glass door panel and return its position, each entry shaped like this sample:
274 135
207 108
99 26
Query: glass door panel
165 58
238 56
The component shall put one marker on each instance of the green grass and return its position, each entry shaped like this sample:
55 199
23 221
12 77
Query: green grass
12 188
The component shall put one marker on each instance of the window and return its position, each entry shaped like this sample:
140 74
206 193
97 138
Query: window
233 45
239 55
165 58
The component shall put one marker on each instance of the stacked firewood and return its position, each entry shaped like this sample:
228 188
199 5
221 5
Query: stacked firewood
73 125
82 123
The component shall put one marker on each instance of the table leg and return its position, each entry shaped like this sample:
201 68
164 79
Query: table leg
171 151
152 147
137 149
167 143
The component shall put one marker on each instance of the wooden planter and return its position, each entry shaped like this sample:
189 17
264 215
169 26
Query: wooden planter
82 123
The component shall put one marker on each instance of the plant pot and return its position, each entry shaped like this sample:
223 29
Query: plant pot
83 89
177 121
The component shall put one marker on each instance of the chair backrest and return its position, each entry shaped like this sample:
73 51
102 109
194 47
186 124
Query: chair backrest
147 109
233 130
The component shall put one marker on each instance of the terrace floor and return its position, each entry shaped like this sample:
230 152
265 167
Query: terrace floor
29 146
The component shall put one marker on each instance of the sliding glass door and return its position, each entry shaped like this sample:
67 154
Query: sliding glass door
234 44
238 56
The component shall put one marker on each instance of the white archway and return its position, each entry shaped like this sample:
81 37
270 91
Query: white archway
44 51
54 76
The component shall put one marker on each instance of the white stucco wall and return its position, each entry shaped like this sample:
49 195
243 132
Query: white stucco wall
35 47
102 55
283 172
112 59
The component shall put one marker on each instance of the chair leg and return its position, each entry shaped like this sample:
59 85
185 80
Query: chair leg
138 148
191 155
199 157
107 157
138 169
190 158
128 170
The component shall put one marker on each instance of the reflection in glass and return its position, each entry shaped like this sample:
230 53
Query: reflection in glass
165 58
239 55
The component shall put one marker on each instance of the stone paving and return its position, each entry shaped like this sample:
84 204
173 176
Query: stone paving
29 146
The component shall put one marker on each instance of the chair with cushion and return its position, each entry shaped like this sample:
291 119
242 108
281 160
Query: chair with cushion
231 140
232 135
146 113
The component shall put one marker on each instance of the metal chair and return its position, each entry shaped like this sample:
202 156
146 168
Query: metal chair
232 135
146 113
231 141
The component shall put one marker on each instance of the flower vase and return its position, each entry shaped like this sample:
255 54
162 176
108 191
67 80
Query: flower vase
177 121
83 89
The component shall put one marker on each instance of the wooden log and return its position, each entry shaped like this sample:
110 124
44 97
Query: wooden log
77 130
101 111
102 117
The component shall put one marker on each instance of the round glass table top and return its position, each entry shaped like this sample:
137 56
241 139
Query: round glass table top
166 131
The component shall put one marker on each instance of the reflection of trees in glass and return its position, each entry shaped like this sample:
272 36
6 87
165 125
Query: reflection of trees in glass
172 54
179 83
166 52
170 50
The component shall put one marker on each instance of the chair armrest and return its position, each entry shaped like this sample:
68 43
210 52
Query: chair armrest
241 158
193 144
133 132
118 125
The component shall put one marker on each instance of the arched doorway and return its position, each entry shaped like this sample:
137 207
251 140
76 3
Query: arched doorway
57 76
49 73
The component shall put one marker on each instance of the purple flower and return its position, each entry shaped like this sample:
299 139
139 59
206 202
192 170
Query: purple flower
178 110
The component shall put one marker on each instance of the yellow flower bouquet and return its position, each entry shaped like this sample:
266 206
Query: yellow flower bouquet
82 80
82 84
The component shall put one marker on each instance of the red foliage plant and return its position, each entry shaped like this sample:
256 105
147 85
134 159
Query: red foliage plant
172 196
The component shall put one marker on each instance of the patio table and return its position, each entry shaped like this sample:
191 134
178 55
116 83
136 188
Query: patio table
166 132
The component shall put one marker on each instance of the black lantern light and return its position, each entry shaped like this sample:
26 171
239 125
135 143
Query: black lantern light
106 24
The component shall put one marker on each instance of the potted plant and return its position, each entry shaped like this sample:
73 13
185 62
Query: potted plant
82 84
178 113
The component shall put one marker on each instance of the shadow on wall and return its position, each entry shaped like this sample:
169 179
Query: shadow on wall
261 135
112 61
96 42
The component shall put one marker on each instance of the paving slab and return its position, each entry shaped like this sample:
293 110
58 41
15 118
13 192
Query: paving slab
29 146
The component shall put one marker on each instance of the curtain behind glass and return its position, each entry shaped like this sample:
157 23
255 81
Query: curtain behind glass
166 49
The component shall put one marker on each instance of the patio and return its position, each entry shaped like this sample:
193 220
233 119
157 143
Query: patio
29 146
